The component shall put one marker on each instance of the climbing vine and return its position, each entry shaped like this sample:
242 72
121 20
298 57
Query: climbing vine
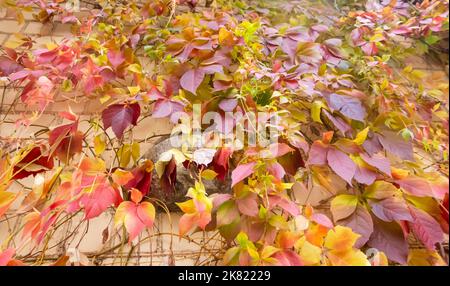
333 148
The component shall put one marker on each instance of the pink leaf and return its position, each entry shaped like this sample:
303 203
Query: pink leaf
369 49
228 104
378 161
116 58
318 154
341 164
322 220
192 79
416 186
241 172
6 256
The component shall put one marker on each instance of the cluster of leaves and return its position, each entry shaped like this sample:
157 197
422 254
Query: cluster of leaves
354 121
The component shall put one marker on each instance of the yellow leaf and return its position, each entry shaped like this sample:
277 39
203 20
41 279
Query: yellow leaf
135 68
225 36
187 206
340 239
310 254
361 136
425 257
124 154
135 151
315 110
209 174
6 199
348 258
134 90
104 99
99 144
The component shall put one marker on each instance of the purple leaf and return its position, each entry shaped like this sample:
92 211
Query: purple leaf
341 164
391 209
348 106
378 161
192 79
120 116
396 145
388 237
364 175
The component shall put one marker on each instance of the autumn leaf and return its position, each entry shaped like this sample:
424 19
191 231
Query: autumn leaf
341 164
388 237
192 79
348 106
426 228
6 199
135 215
116 58
120 116
343 205
241 172
391 209
360 221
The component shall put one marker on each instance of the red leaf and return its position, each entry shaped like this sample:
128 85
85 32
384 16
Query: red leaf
34 156
66 141
341 164
101 198
142 178
120 116
426 228
220 162
169 177
241 172
192 79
